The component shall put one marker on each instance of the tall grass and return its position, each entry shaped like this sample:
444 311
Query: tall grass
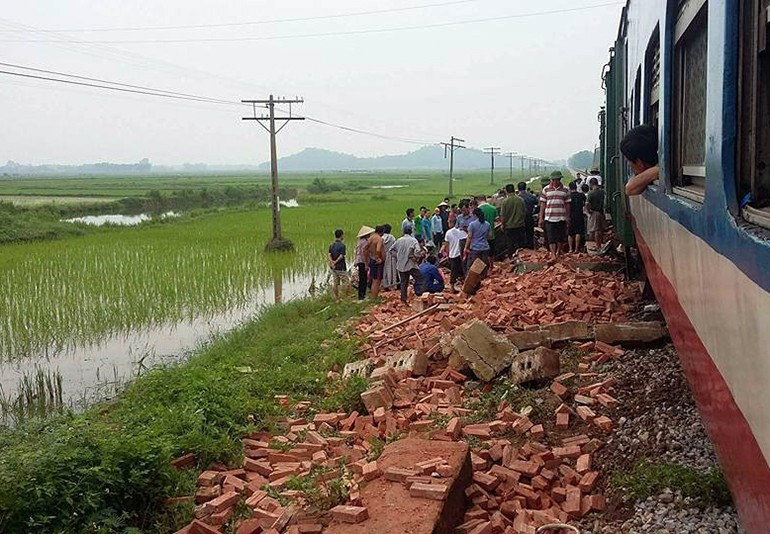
39 394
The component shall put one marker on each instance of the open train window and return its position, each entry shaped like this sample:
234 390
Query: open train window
690 77
652 80
754 113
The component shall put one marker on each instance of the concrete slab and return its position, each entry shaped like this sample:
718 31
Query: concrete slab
392 510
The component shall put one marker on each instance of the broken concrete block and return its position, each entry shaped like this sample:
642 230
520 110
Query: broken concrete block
535 365
414 362
567 331
474 276
530 339
360 368
485 351
630 333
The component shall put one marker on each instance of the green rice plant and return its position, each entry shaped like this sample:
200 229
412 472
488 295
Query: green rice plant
39 394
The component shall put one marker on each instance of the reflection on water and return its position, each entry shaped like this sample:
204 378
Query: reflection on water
118 220
388 186
95 371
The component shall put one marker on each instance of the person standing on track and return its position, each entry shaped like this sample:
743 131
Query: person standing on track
375 253
477 244
577 222
530 201
437 225
555 213
339 267
491 215
390 274
513 213
596 219
453 246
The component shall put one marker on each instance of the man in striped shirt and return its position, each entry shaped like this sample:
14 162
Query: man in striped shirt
555 212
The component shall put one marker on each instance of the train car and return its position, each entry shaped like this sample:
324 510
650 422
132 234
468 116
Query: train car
699 70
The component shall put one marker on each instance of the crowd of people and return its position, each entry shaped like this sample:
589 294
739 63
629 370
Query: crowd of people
479 228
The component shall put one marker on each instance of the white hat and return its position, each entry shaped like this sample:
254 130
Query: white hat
443 203
365 231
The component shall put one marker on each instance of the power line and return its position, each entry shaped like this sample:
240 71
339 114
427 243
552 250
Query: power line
250 23
325 34
101 81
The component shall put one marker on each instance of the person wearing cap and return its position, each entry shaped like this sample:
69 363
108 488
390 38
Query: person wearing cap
555 213
595 174
408 254
363 235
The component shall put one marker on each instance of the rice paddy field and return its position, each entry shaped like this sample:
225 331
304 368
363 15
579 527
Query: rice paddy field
85 309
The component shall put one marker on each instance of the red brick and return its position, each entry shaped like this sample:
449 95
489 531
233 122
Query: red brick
526 468
572 503
199 527
454 428
350 514
559 389
588 481
570 451
226 500
597 502
249 526
585 413
537 431
436 492
604 422
487 482
583 464
186 460
562 421
398 474
209 478
483 528
371 471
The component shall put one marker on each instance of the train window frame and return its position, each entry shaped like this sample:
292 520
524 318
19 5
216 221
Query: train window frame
691 24
753 158
652 80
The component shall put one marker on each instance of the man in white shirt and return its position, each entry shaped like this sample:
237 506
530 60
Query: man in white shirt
408 253
595 174
453 245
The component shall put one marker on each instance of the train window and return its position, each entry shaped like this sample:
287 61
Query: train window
754 113
652 80
638 97
690 75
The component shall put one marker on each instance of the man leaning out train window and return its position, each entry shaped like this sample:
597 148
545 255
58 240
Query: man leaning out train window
640 147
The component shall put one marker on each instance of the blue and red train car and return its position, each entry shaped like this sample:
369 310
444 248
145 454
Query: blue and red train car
699 70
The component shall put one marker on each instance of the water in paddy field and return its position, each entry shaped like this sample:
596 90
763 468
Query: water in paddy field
96 371
118 220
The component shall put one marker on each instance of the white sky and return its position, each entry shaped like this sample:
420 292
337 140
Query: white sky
529 85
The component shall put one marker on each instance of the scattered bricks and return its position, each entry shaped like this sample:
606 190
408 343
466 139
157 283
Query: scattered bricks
376 397
583 464
310 528
413 362
522 425
537 431
582 399
580 439
572 503
630 333
563 408
474 276
421 426
249 526
479 347
567 331
224 501
537 364
445 471
605 348
562 421
540 483
199 527
436 492
207 493
480 431
349 514
585 413
315 438
398 474
478 463
564 377
360 368
220 518
593 446
597 503
588 481
255 498
571 451
486 481
454 428
210 478
426 467
484 528
371 471
606 400
559 389
529 469
505 474
569 475
234 484
604 422
186 460
559 495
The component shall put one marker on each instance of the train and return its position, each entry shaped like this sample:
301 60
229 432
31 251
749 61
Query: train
699 71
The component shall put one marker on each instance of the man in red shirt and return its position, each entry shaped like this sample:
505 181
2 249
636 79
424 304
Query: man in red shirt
555 213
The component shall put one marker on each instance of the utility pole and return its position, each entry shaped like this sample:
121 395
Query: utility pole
522 165
510 155
271 119
492 151
451 146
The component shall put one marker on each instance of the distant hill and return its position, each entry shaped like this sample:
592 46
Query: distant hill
427 157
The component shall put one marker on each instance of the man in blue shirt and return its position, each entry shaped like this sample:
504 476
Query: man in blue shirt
433 280
339 266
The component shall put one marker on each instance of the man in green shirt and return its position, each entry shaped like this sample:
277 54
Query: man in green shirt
513 212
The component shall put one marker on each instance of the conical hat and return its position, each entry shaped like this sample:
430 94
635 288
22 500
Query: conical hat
365 231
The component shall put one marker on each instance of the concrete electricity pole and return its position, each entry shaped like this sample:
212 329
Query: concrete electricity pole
451 146
510 155
493 151
277 241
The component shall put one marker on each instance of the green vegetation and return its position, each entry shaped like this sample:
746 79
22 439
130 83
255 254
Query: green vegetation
648 479
107 469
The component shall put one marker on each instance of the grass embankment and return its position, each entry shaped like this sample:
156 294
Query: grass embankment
107 469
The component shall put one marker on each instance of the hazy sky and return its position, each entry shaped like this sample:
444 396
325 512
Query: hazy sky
527 84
